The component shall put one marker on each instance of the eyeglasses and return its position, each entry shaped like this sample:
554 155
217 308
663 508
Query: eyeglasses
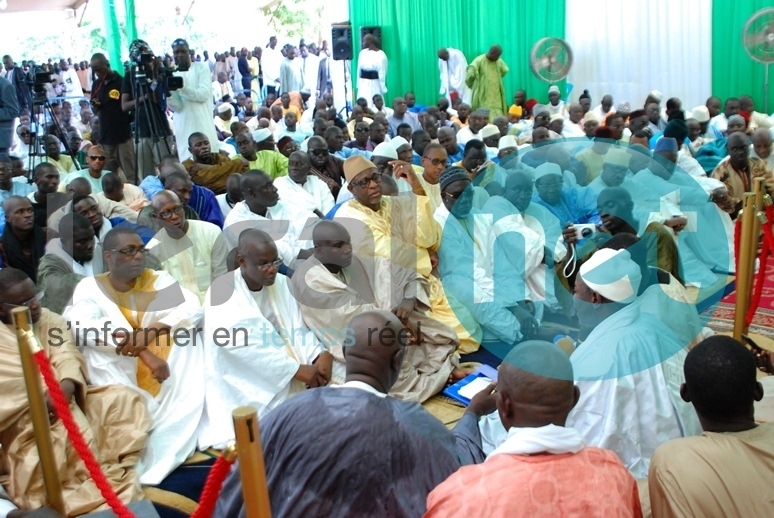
268 266
551 185
179 41
24 133
97 157
319 152
28 303
168 214
365 182
457 196
361 130
131 251
435 161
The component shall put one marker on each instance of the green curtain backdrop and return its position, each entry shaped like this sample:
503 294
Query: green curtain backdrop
733 71
112 34
413 31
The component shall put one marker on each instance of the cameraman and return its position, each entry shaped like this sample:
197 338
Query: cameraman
115 130
192 104
154 135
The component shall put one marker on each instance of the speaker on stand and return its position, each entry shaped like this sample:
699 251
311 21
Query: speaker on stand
341 50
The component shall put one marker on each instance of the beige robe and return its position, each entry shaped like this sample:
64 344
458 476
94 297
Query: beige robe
328 301
403 231
113 420
715 474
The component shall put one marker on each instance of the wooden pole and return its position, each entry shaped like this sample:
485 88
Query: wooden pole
28 345
747 249
251 467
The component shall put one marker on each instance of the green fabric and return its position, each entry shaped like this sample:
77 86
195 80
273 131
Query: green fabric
131 22
734 73
485 79
413 31
112 33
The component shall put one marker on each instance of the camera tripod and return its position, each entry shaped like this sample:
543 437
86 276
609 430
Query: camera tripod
144 92
42 108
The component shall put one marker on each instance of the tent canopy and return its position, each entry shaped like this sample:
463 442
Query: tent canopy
22 6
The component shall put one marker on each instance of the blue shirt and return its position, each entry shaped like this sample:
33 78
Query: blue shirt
17 189
347 152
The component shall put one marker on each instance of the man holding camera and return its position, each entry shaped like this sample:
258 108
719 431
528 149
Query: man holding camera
115 132
192 104
154 135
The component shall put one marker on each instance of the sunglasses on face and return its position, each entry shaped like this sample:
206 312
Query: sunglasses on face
319 152
436 161
97 157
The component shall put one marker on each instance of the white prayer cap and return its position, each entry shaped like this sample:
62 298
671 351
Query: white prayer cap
546 169
305 91
557 117
386 150
656 95
398 142
261 134
553 88
490 130
590 117
225 107
617 157
613 275
701 113
506 142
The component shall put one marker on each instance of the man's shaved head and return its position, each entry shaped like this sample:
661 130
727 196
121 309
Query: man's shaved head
378 351
79 186
535 386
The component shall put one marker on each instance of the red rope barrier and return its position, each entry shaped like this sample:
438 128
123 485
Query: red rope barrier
737 244
766 250
62 408
211 491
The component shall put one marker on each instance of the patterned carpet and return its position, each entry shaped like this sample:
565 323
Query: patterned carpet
722 314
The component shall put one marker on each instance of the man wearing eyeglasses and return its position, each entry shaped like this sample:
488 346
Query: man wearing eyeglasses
139 328
402 231
325 166
254 331
361 140
193 252
112 419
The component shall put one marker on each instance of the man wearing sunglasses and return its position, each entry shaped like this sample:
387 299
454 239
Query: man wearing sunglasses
118 410
96 159
138 328
402 231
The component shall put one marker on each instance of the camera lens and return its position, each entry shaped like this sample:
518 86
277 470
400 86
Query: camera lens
586 232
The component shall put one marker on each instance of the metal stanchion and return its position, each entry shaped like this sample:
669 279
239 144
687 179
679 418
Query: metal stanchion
251 467
748 247
28 345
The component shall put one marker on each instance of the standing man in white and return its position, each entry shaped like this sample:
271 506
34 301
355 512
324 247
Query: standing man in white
371 69
453 67
192 104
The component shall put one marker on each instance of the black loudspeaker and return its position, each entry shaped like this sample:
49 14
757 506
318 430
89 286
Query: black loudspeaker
376 31
341 42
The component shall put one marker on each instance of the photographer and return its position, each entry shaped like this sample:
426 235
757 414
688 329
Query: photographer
154 135
115 131
192 103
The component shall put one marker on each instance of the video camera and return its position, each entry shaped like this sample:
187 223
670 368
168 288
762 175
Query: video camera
158 76
40 78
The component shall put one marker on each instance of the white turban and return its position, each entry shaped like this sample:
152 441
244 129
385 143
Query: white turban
613 274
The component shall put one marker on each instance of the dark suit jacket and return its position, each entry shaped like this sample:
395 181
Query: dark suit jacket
9 110
20 85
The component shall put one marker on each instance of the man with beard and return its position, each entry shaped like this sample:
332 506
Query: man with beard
210 170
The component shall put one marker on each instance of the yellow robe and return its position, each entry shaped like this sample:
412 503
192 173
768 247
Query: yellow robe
403 231
113 420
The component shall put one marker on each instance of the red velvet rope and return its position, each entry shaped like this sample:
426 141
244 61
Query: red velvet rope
766 250
215 478
62 408
211 491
